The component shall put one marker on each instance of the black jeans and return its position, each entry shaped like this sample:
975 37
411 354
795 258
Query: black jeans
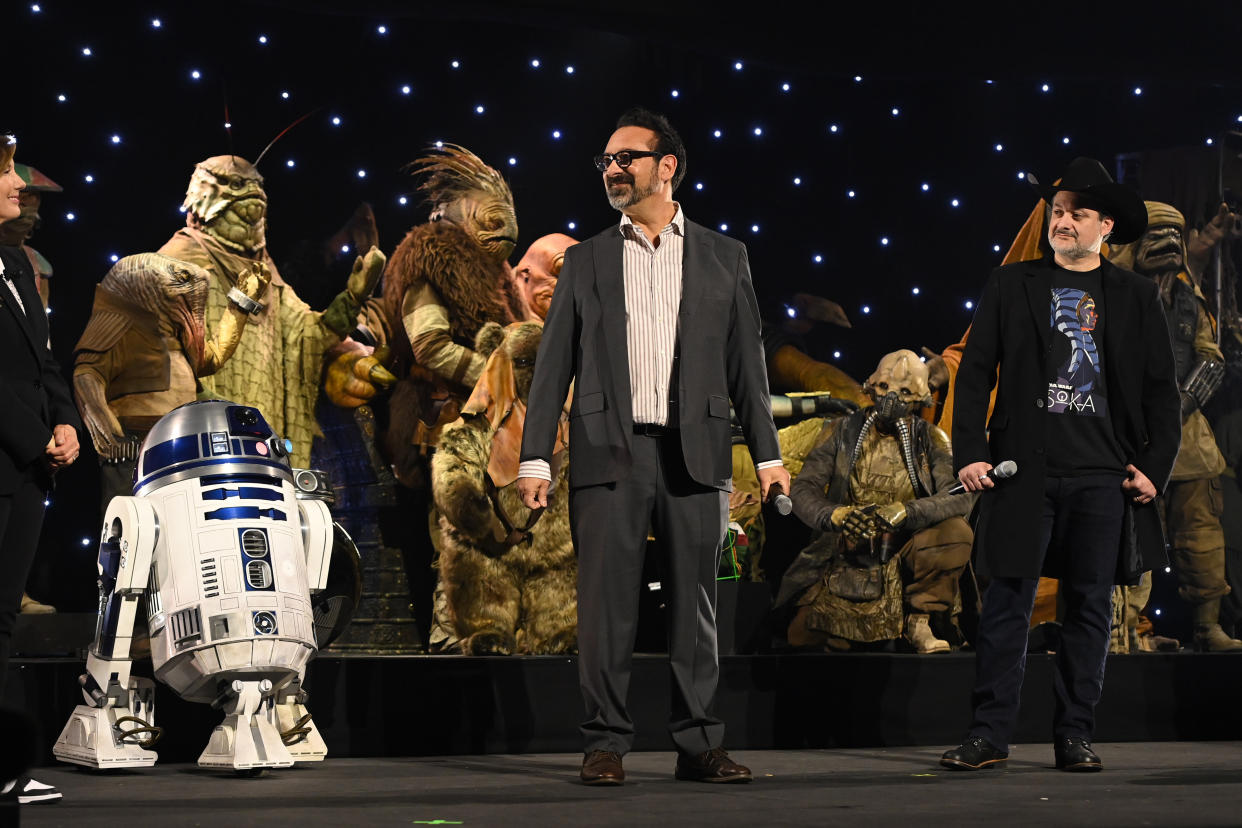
1081 531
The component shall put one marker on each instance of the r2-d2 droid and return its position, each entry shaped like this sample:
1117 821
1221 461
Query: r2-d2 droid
227 556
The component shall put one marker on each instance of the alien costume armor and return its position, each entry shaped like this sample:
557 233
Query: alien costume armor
892 540
278 364
1193 500
226 552
143 349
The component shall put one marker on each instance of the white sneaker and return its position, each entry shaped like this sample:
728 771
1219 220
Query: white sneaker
28 791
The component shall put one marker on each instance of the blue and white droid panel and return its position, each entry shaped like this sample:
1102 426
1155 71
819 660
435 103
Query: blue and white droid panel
229 585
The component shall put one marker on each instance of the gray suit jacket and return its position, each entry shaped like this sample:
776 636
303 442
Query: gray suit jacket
720 357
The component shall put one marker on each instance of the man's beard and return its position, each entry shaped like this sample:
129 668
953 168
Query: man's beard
1076 249
623 197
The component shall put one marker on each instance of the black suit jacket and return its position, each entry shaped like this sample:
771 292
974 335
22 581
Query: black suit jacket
720 357
1012 329
34 394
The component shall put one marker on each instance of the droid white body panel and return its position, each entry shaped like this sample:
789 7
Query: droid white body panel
227 557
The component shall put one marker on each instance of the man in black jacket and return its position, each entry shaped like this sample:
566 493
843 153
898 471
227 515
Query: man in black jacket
1088 406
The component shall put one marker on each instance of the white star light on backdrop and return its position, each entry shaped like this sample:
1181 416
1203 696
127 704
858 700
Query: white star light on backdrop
684 90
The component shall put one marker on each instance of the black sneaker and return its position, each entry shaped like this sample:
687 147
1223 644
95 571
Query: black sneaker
973 754
1075 755
26 791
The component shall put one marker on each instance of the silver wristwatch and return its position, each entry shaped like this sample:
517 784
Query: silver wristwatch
244 302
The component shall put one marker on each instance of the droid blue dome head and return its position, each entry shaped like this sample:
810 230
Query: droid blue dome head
210 437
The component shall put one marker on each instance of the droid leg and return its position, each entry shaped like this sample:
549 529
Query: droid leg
116 726
295 726
246 738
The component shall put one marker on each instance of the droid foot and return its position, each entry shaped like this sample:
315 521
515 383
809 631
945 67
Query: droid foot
246 739
93 738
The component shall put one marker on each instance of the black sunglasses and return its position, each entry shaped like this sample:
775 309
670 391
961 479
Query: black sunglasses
623 158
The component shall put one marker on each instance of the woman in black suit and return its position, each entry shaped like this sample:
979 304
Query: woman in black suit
38 433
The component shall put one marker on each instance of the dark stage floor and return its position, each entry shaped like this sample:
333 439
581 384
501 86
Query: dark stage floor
1165 783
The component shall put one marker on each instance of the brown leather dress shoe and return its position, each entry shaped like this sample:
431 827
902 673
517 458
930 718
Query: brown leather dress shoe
602 767
711 766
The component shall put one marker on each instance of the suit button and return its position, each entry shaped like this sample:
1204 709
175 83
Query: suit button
1039 403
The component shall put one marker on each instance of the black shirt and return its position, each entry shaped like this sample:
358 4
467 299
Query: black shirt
1080 439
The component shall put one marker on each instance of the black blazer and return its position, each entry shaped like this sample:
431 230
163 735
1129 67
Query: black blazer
1011 329
720 357
34 392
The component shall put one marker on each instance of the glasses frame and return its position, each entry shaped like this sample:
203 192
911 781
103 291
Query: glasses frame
623 158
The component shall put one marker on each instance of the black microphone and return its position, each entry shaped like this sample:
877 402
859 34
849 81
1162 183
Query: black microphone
1002 471
779 500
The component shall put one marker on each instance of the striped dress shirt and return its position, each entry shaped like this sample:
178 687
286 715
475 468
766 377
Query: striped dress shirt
652 276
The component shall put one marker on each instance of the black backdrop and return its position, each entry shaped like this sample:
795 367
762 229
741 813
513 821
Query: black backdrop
962 83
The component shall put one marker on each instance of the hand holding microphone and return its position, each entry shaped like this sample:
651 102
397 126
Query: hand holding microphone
773 483
779 500
980 476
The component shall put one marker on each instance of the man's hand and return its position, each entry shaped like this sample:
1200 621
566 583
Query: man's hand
533 491
62 449
366 273
353 377
975 477
1137 485
772 475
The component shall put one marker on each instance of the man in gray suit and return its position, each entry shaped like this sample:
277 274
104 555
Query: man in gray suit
655 321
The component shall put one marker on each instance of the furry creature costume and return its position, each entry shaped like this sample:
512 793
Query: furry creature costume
447 279
509 575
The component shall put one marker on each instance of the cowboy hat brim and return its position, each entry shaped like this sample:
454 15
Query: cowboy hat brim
1126 207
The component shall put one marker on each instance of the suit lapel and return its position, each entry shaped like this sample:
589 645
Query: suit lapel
25 321
610 288
1038 285
693 272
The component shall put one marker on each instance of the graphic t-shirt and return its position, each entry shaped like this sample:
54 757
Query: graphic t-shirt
1080 436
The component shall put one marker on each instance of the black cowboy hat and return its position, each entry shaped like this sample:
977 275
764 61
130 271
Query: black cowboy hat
1087 177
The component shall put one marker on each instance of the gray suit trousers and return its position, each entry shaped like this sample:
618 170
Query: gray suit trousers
609 524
